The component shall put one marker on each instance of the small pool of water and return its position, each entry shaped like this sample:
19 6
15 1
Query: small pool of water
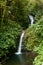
23 59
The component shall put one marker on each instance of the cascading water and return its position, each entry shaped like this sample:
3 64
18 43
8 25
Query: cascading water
20 43
32 19
22 35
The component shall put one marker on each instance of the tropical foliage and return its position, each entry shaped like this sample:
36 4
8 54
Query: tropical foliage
13 15
14 18
9 35
34 34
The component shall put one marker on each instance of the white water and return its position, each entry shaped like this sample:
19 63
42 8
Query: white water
22 35
20 43
32 19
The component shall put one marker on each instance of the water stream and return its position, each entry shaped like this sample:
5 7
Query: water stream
20 43
31 19
22 35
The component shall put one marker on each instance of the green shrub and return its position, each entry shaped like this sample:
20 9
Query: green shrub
34 41
38 60
34 35
9 35
36 9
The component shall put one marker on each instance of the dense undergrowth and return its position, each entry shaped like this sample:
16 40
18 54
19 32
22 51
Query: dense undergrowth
34 36
34 40
14 18
9 35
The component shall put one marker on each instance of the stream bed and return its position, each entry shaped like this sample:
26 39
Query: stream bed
25 58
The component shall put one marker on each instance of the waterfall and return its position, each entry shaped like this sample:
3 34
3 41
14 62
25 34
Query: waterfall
32 19
22 35
20 43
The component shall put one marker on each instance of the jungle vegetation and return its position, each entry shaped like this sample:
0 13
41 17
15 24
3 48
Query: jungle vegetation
14 18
